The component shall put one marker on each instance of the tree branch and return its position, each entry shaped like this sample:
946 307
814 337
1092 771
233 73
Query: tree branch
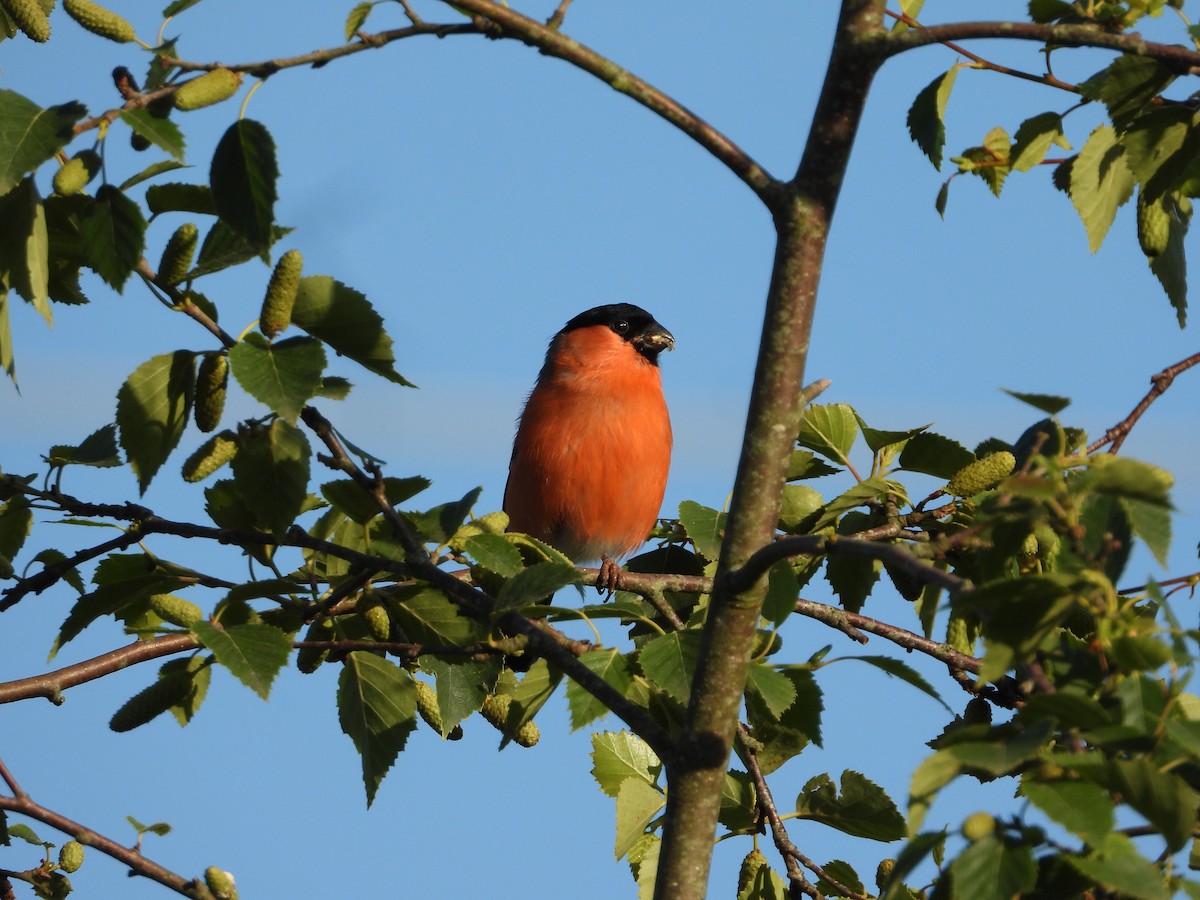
1117 434
1177 57
23 804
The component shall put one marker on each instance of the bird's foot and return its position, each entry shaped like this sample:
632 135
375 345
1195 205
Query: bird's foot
606 580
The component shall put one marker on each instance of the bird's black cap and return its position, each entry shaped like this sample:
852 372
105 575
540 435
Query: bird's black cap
631 322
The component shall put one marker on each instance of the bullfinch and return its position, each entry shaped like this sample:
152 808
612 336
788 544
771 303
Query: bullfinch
593 446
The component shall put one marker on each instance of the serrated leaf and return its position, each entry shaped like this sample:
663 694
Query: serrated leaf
637 805
990 869
863 809
1117 865
1152 523
1126 85
271 473
773 688
284 375
25 247
254 653
377 705
30 135
461 685
669 662
345 320
163 133
705 526
495 553
1034 138
783 587
613 667
829 429
1160 147
152 411
348 496
112 236
242 176
1163 798
535 584
98 449
7 360
428 617
1100 183
1170 266
618 756
357 18
23 832
935 455
926 116
1083 809
805 464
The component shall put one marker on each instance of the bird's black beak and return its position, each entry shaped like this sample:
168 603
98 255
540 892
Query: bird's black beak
654 340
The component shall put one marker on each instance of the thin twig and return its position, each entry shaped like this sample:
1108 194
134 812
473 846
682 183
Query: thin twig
1117 434
556 19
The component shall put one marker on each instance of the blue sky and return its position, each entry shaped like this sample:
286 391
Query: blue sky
480 195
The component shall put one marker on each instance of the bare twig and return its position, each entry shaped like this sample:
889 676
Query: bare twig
1117 434
52 573
556 19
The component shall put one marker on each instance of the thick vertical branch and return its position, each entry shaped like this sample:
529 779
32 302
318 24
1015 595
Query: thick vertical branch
802 218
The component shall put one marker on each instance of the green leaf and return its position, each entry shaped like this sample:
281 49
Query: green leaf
1162 797
1083 809
494 552
926 116
112 236
805 464
23 832
1152 523
784 736
1160 147
637 805
346 321
783 587
535 584
1100 183
377 705
1034 138
1047 403
900 669
829 429
348 496
865 491
705 526
773 688
428 617
152 411
1127 85
254 653
614 668
271 473
461 686
798 507
16 521
163 133
738 802
913 854
357 18
7 361
863 809
1170 266
992 870
530 695
284 375
179 197
1130 479
618 756
98 449
151 171
25 247
935 455
669 662
30 135
1118 866
243 175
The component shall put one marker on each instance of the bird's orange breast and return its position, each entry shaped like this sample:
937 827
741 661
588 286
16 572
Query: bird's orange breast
590 462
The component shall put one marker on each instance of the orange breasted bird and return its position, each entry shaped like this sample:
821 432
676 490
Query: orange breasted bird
590 460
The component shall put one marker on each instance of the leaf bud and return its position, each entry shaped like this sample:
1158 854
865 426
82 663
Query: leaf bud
220 883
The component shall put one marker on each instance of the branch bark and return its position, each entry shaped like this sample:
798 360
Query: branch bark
802 214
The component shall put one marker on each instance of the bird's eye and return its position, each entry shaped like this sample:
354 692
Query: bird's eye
620 326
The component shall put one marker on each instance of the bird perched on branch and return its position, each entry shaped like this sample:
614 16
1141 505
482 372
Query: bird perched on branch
590 459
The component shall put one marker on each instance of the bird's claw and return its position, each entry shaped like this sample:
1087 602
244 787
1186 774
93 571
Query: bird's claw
606 580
